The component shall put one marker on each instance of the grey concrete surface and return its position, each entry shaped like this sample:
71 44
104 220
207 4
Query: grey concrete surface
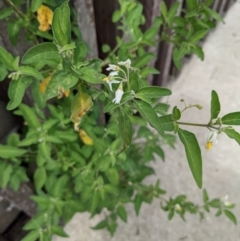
221 165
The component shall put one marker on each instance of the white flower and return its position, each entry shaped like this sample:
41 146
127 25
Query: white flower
112 67
211 138
118 95
225 201
126 63
178 207
110 79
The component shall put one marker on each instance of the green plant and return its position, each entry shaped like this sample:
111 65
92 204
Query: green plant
74 169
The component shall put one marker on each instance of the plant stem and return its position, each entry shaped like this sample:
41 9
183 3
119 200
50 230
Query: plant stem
19 13
196 124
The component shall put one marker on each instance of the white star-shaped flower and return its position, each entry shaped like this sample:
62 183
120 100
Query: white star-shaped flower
126 63
112 67
118 95
211 138
110 79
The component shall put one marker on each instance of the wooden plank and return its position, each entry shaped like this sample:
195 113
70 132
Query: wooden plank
20 199
86 23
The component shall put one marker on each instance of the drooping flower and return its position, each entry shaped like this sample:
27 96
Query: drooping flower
211 138
44 17
178 207
110 79
126 63
86 139
225 201
118 94
112 67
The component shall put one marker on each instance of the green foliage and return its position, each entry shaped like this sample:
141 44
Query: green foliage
84 160
193 154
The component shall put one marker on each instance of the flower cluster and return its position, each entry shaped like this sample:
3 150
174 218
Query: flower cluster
114 78
44 17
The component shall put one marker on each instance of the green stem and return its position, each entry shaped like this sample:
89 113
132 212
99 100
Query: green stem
196 124
106 60
19 13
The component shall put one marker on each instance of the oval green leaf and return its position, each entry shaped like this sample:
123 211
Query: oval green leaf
193 154
41 52
231 119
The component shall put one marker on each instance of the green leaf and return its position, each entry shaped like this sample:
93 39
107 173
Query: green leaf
193 154
13 139
6 12
170 214
106 48
231 119
37 95
66 136
154 92
143 60
215 105
61 25
95 201
13 32
208 2
163 9
16 91
173 11
35 5
116 16
121 211
231 133
90 75
205 196
29 116
176 113
198 51
3 71
60 82
29 71
198 36
41 52
167 122
80 52
112 175
32 236
216 203
44 149
230 215
138 203
125 130
191 5
7 59
149 114
214 15
147 71
101 225
59 231
40 177
60 185
161 108
11 151
6 175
